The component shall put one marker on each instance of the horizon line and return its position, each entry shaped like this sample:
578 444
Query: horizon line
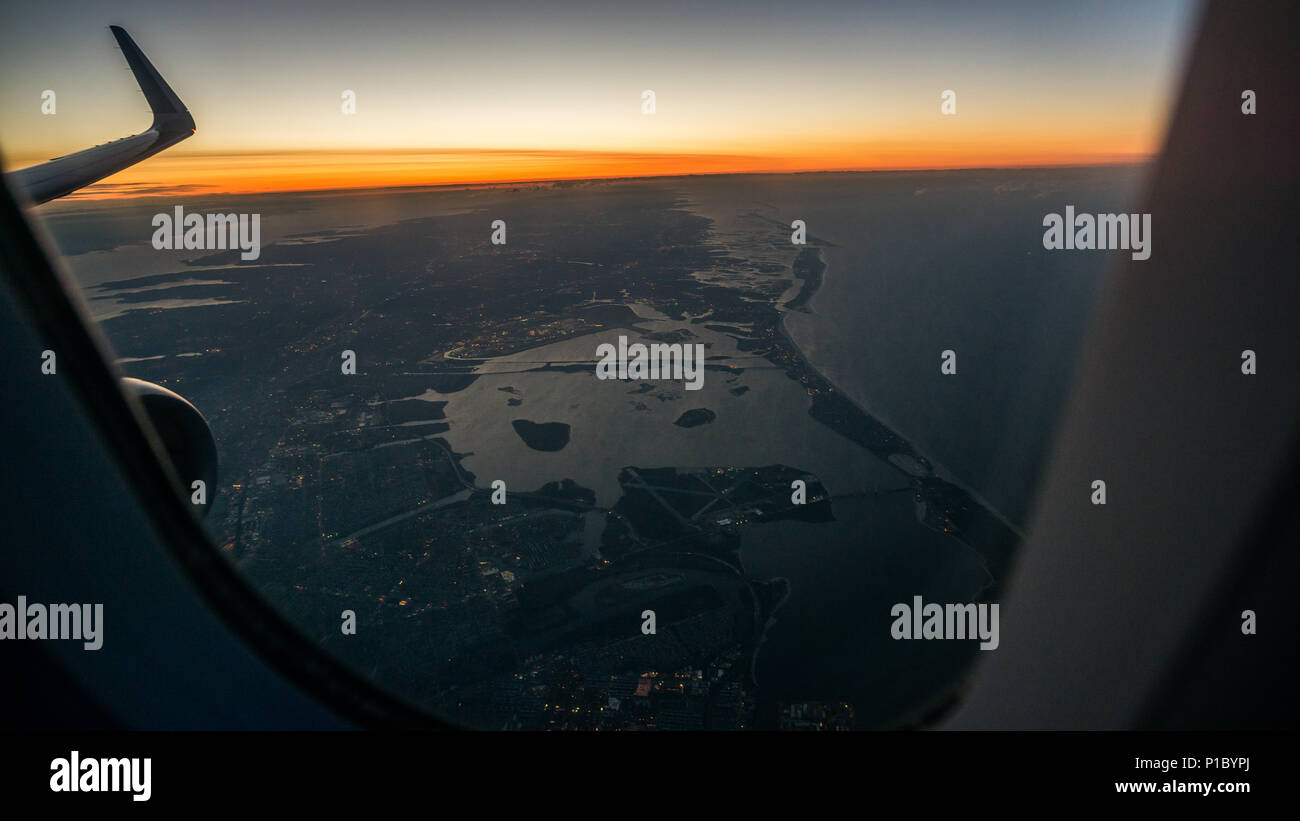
89 193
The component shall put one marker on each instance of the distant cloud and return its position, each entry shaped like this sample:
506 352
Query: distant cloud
135 189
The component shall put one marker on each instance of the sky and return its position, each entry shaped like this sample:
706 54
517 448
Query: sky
477 92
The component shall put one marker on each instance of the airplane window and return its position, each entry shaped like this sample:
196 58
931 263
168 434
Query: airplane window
672 385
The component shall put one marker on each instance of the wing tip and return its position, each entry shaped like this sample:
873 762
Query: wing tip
63 175
168 109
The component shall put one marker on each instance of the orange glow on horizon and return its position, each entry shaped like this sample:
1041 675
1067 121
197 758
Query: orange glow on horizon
490 96
177 173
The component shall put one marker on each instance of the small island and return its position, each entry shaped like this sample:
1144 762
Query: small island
696 417
547 436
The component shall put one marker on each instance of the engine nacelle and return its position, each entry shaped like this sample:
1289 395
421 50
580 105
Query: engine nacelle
184 434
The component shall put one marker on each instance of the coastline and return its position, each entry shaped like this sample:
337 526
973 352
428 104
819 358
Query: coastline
946 504
933 468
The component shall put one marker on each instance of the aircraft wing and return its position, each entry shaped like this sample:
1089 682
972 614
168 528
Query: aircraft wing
171 124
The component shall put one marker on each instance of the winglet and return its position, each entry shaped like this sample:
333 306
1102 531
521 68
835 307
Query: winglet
162 100
171 124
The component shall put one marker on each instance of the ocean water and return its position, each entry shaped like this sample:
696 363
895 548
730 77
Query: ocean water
924 262
917 264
